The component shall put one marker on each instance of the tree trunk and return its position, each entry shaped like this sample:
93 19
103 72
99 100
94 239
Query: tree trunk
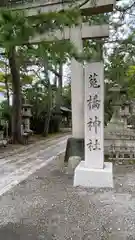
59 96
55 78
49 105
55 87
7 90
16 104
48 115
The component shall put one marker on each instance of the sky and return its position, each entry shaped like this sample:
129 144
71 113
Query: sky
1 97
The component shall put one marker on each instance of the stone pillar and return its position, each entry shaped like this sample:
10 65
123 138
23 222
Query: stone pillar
93 172
94 115
75 145
77 86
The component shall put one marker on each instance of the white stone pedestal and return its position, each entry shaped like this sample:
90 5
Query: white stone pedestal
98 178
93 172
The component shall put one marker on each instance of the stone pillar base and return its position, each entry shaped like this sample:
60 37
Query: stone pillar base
99 178
72 164
75 147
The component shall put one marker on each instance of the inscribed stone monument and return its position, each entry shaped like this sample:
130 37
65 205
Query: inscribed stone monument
93 172
94 115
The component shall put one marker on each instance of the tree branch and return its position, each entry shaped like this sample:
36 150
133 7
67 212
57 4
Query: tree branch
35 72
82 4
54 71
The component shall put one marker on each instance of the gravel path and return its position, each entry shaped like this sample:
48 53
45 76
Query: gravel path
11 150
17 167
46 206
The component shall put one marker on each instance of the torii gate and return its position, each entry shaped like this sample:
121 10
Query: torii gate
87 106
88 101
75 145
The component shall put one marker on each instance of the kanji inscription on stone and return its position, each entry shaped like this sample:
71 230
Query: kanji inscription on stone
94 115
93 145
96 124
93 81
93 102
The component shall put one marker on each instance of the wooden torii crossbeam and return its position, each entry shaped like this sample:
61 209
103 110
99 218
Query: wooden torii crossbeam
37 7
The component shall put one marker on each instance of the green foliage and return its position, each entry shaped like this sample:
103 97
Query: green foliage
67 96
131 81
16 28
55 20
5 111
11 34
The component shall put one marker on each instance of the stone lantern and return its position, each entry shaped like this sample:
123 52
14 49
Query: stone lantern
26 115
119 139
116 119
133 107
125 112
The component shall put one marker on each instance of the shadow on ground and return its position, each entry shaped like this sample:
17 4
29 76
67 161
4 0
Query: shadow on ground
21 231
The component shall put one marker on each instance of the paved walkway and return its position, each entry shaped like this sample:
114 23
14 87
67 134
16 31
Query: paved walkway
15 168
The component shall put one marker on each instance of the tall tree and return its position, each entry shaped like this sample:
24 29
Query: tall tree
16 29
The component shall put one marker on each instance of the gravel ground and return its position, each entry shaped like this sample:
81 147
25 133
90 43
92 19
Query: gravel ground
34 144
16 168
47 207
